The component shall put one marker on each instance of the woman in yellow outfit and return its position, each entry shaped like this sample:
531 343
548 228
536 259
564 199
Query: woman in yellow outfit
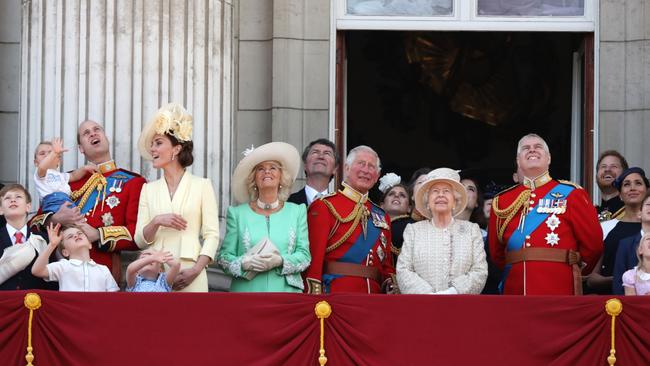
178 208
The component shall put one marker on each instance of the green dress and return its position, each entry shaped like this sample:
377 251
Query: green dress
287 229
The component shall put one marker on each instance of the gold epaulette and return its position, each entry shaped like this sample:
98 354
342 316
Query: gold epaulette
570 183
109 235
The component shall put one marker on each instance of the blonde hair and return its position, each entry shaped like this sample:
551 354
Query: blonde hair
640 256
49 143
284 190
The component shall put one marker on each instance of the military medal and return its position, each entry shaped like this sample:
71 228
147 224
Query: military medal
379 221
112 202
380 253
383 240
119 187
112 189
553 222
107 219
552 239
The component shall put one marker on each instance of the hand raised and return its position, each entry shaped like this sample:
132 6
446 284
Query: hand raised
53 234
57 146
173 221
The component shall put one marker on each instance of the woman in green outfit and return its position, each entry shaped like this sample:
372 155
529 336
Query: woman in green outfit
266 245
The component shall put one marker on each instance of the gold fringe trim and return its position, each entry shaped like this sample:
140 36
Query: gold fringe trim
32 302
359 213
504 216
614 308
323 311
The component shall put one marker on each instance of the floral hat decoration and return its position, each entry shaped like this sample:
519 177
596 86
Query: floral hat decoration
388 181
171 119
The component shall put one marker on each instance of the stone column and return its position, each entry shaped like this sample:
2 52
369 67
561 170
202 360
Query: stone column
625 79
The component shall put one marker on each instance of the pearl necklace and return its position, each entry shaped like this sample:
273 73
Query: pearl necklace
268 206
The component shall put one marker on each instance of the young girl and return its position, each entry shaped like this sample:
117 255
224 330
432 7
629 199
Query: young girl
637 280
147 273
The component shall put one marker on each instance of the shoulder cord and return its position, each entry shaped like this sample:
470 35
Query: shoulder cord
504 216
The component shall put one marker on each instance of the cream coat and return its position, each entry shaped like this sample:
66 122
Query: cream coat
195 201
435 259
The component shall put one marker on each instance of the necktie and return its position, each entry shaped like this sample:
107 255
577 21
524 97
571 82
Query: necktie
19 237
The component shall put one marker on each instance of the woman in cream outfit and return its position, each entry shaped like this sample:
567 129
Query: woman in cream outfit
442 255
178 208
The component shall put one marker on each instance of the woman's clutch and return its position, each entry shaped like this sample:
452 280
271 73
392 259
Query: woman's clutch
264 246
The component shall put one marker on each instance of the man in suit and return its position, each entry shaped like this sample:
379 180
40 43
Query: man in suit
15 203
320 161
626 254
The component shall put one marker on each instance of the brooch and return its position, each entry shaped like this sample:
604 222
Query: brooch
112 202
107 219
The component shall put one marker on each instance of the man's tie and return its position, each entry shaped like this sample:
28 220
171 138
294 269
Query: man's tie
19 237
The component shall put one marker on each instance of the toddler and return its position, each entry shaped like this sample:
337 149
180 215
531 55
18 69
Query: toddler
147 273
51 184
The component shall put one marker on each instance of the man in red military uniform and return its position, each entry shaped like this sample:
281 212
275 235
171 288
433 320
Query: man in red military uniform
349 236
543 232
107 199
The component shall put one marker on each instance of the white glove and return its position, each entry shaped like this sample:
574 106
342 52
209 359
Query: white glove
252 263
270 261
450 291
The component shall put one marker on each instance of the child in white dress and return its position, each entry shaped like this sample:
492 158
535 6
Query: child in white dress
636 281
147 274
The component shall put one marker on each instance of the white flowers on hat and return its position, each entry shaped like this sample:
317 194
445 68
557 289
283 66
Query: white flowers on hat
249 150
388 181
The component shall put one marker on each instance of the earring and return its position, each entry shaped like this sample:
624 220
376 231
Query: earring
173 157
255 188
280 186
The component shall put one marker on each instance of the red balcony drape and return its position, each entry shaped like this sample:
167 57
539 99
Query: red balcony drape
282 329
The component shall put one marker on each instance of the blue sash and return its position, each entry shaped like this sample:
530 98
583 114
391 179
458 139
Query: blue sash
118 178
359 250
533 220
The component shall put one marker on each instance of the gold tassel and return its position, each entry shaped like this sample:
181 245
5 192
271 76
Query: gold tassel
614 308
323 311
32 302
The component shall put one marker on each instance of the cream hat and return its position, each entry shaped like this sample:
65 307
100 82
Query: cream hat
172 119
441 175
284 153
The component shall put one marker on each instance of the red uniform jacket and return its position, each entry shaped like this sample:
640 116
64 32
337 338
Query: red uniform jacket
578 230
326 230
115 214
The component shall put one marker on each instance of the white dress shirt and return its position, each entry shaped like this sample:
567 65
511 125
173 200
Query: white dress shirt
12 233
76 275
311 194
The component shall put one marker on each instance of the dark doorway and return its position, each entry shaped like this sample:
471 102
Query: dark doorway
459 99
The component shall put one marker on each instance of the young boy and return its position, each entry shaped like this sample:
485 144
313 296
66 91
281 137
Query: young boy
15 204
51 184
77 272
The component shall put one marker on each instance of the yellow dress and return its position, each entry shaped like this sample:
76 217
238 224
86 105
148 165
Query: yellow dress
195 201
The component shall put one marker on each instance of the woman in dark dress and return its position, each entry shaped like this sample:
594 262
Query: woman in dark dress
396 201
632 185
